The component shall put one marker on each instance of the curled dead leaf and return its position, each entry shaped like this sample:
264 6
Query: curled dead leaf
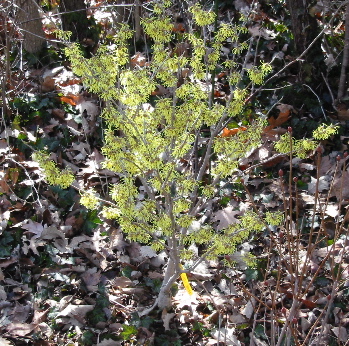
229 133
284 115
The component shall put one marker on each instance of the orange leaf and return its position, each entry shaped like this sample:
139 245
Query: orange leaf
218 93
72 99
70 82
284 115
178 27
309 303
232 132
138 60
243 167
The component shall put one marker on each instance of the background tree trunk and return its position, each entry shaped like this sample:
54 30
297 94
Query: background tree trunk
76 21
304 26
137 19
305 29
118 15
29 21
342 87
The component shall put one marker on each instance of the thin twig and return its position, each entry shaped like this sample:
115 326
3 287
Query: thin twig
318 98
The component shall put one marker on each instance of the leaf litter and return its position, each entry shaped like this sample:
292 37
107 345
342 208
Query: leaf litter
64 271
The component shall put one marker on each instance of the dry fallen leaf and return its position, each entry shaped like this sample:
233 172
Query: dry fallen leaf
70 99
91 278
5 342
121 282
226 217
284 115
3 295
248 309
72 310
74 314
138 60
258 31
341 333
19 329
227 336
33 227
20 313
321 185
90 107
166 318
229 133
6 262
183 298
340 186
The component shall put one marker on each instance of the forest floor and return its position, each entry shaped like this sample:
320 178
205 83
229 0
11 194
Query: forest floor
68 276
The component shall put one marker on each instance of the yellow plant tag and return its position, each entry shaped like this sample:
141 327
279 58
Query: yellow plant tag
186 283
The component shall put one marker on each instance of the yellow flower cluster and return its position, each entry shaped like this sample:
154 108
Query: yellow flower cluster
62 35
98 73
325 131
164 224
123 34
251 222
191 91
240 47
231 150
181 205
185 220
257 74
204 235
237 102
198 53
160 7
110 213
274 219
89 199
300 148
228 31
201 17
54 176
235 234
137 87
187 254
159 29
234 78
304 146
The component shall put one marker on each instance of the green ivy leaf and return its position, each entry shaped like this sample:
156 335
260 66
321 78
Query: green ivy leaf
127 272
251 274
259 332
155 284
87 338
5 248
128 331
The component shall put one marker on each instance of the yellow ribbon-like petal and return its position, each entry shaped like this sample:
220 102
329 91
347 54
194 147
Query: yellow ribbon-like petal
186 283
